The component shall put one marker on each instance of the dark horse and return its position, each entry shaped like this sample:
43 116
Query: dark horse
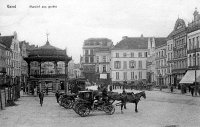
128 97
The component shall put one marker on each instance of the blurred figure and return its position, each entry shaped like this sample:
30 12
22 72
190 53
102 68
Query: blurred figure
57 96
41 97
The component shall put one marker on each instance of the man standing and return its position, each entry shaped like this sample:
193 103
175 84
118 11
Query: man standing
57 96
41 96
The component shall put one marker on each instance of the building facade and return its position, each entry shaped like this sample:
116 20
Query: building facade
170 55
155 45
128 60
92 49
161 64
2 62
179 35
13 56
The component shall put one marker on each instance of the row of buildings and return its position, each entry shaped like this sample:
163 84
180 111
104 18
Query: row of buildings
162 60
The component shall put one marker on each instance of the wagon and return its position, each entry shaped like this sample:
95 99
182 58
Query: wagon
88 101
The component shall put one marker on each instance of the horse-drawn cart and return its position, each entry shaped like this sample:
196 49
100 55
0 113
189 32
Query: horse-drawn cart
88 101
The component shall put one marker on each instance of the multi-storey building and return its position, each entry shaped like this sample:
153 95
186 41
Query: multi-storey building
179 35
24 65
170 55
95 50
128 59
2 62
193 51
13 56
102 59
161 63
154 44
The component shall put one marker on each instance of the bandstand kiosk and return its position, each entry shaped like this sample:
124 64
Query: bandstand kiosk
39 78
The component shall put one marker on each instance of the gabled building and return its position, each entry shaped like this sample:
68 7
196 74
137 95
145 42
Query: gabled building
13 56
155 46
128 59
179 36
3 49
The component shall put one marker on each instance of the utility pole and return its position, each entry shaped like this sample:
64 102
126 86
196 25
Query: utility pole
195 83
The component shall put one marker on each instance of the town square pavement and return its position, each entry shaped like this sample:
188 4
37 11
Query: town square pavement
159 109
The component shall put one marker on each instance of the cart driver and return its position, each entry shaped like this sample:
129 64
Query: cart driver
105 95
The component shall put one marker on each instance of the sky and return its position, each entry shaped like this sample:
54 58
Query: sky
73 21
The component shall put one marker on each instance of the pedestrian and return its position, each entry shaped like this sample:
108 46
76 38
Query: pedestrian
171 88
110 88
57 96
41 97
47 90
124 99
192 90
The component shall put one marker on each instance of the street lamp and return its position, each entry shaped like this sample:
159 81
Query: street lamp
160 81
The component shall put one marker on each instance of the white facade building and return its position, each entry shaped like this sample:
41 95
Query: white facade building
128 60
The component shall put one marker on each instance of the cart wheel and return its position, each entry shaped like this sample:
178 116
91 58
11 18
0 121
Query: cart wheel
83 110
77 107
68 104
110 109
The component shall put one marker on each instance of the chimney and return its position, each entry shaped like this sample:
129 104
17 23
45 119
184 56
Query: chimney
142 36
124 37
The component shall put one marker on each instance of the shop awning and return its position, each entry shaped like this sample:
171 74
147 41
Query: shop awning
189 77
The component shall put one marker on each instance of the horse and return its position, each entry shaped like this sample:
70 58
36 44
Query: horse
129 97
136 98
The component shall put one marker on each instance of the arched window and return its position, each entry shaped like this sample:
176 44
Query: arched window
193 59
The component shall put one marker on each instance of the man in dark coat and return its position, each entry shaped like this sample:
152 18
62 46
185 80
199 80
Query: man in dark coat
105 95
192 90
41 96
57 96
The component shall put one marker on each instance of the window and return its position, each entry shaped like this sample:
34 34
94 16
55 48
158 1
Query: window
132 54
125 65
104 68
117 64
117 55
193 42
86 60
198 42
139 54
145 54
198 59
97 59
104 58
124 54
117 75
194 60
189 45
125 75
91 52
140 64
140 75
86 52
132 64
92 59
132 75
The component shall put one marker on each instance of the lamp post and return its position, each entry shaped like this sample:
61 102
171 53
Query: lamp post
160 80
195 83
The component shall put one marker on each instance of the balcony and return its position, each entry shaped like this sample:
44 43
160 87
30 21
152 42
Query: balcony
49 76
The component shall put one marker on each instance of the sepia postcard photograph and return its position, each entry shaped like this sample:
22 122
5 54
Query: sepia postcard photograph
99 63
